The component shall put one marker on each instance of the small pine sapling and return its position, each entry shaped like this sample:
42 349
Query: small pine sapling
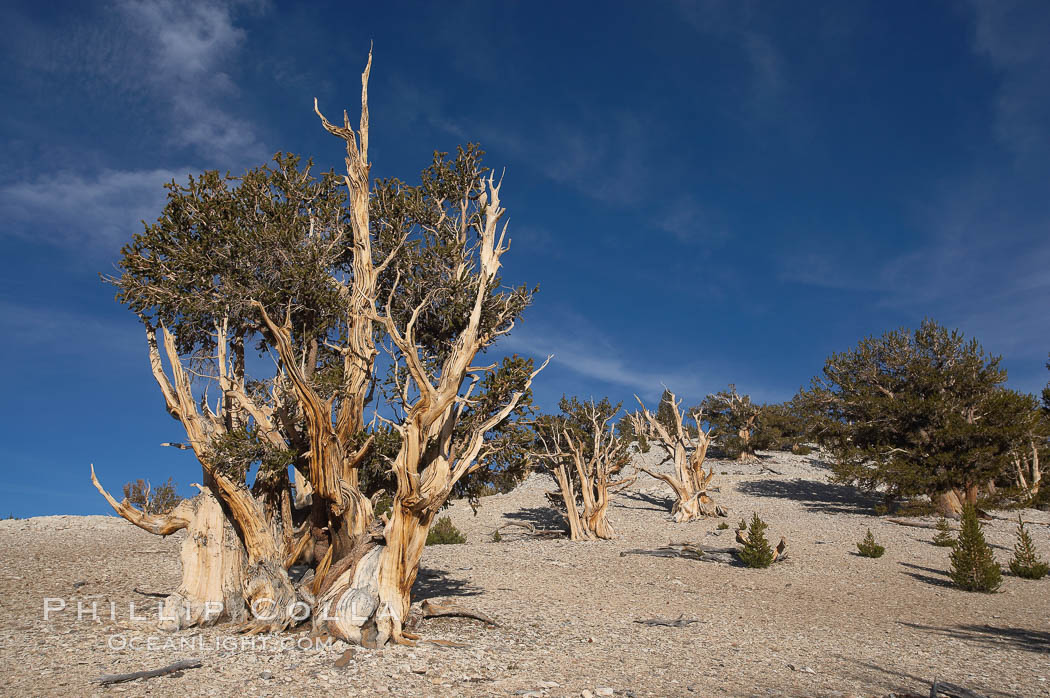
1026 563
741 525
722 526
757 552
973 564
869 548
944 537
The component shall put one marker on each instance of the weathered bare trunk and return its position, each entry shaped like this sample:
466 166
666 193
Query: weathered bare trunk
948 504
340 509
594 471
690 482
747 453
1029 475
212 559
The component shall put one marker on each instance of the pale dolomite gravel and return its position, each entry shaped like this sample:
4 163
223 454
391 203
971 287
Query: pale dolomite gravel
825 622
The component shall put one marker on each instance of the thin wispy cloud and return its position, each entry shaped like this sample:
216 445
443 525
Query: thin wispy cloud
736 23
169 61
688 222
1013 35
89 214
36 327
188 49
585 351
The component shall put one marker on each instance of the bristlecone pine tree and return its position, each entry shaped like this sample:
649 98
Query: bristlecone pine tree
869 548
583 453
973 564
913 413
735 418
1026 562
945 536
690 481
290 265
757 552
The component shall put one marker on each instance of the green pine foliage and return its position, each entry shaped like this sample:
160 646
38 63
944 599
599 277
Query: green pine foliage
1026 562
757 552
869 548
159 500
444 532
741 525
915 412
944 536
734 420
973 565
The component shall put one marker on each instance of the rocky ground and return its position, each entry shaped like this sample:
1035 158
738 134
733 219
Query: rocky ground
824 622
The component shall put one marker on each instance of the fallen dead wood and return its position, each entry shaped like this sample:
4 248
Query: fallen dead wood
154 594
433 609
684 550
914 524
944 689
680 622
1026 523
530 530
691 551
152 673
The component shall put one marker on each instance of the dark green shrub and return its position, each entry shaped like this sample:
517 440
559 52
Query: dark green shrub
444 532
869 548
944 537
1026 563
973 564
801 450
722 526
741 525
757 552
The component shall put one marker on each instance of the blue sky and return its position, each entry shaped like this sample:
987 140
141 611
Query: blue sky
706 192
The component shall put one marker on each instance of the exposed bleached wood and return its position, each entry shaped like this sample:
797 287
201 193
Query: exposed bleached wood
690 482
594 457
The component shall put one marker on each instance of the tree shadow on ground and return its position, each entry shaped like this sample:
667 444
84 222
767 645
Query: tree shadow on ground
647 501
940 580
823 497
996 637
907 685
432 583
540 517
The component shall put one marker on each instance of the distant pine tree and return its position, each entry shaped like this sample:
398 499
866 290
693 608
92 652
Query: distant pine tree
869 548
944 537
973 564
1026 563
756 551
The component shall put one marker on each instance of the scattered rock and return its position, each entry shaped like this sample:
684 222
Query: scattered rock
345 658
